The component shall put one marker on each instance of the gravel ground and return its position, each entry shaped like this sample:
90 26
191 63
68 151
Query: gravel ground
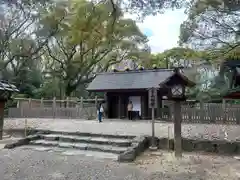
18 164
193 131
32 165
192 166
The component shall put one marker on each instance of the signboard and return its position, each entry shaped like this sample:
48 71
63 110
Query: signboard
152 98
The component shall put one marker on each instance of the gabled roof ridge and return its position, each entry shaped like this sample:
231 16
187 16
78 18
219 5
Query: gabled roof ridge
136 71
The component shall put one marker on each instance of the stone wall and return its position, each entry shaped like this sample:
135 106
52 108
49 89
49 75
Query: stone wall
215 146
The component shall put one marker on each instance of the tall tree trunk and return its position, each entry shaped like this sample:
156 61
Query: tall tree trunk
68 91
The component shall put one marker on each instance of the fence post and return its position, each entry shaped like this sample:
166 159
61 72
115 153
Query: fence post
30 106
41 103
67 102
224 111
81 102
202 113
54 107
96 101
18 104
30 103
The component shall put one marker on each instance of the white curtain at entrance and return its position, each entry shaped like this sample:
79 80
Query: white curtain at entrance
136 100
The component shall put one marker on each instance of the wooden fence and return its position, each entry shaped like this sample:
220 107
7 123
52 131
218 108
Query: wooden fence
207 113
50 103
86 109
40 108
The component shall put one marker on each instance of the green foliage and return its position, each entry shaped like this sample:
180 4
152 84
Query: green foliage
212 24
152 7
176 57
90 41
54 48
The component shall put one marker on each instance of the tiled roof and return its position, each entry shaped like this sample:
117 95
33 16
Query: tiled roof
129 80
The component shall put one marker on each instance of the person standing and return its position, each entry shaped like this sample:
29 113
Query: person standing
130 108
100 112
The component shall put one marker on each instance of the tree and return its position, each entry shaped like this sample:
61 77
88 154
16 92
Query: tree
212 24
178 56
24 31
149 7
88 43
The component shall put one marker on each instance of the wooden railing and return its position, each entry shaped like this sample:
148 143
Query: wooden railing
40 108
86 109
211 113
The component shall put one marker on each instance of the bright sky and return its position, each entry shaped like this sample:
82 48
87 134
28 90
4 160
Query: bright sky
163 29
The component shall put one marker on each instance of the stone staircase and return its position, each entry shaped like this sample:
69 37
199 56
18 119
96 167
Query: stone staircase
103 144
118 147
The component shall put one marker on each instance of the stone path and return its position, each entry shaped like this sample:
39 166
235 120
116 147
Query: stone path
123 127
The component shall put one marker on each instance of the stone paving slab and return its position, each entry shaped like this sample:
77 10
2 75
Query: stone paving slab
82 146
72 152
123 127
76 138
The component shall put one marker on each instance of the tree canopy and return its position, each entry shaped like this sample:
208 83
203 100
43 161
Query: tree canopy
63 43
55 48
212 24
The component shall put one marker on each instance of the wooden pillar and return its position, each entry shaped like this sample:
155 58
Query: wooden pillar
120 106
159 104
106 108
143 107
2 103
177 129
124 106
54 107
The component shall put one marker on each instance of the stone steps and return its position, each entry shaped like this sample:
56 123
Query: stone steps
73 152
87 139
124 147
80 146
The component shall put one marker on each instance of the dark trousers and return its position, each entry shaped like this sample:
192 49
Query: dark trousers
100 116
130 115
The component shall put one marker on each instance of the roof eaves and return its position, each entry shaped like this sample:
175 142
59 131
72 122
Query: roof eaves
136 71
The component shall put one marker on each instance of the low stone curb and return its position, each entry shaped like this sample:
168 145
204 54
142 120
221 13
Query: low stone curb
139 144
30 131
77 133
71 139
215 146
23 141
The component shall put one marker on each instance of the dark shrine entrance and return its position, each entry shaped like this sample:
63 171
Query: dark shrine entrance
117 104
112 106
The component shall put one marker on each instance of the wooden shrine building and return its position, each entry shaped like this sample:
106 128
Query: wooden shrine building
131 85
